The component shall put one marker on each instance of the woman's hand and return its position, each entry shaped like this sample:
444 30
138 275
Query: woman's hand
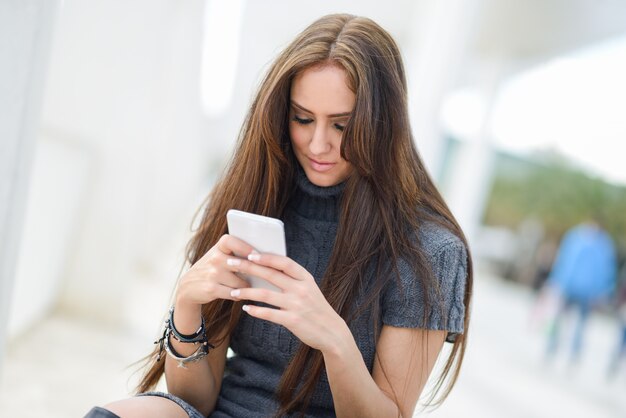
210 278
302 308
206 280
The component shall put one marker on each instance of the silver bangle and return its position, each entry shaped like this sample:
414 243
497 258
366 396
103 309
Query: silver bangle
202 351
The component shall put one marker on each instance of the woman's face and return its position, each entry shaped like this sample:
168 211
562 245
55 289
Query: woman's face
321 104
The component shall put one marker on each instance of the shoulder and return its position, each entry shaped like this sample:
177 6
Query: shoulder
436 302
444 252
436 239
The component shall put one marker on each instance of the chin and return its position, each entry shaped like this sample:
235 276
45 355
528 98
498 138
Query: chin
321 180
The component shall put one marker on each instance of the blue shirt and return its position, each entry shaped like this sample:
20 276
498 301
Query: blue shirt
586 266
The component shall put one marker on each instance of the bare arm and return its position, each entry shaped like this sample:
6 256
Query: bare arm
404 359
199 383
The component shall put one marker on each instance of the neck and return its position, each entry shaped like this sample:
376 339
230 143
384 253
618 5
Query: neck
315 202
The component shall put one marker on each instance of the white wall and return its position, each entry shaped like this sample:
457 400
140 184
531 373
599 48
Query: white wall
61 171
123 84
25 28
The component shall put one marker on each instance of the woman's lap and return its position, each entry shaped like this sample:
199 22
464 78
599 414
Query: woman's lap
190 410
148 404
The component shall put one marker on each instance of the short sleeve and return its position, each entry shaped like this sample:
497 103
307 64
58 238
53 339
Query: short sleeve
404 306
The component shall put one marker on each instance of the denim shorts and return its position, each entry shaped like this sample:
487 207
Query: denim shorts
190 410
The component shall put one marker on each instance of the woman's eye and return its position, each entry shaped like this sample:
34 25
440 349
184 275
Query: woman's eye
339 127
302 121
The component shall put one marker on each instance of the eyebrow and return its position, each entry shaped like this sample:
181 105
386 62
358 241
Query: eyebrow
334 115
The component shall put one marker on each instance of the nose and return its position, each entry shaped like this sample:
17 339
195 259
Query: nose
320 142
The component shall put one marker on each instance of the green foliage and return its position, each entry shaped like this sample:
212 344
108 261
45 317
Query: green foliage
555 193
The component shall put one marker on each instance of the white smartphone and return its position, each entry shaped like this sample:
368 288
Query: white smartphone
264 234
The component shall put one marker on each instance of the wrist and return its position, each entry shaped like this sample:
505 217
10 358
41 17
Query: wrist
187 317
184 348
340 341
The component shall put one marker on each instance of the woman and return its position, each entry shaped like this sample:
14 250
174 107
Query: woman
378 276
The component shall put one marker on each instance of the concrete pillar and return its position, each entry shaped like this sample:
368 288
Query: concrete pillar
438 47
469 181
25 34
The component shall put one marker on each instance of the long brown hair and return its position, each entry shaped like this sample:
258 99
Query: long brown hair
388 195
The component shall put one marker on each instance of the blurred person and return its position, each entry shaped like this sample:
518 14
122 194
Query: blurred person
548 300
619 355
542 263
583 277
378 276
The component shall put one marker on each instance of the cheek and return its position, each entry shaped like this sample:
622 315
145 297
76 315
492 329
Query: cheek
298 136
346 169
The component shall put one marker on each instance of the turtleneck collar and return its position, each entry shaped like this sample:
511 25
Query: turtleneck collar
315 202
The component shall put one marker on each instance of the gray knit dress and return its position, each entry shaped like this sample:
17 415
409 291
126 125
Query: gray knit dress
263 349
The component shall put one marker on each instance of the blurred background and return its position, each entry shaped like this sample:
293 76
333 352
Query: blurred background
117 116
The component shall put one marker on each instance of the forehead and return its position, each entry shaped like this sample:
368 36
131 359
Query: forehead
323 90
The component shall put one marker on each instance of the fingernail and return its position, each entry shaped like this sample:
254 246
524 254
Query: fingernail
245 308
235 293
254 256
233 261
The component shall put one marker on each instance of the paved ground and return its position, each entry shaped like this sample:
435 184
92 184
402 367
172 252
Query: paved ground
505 373
66 365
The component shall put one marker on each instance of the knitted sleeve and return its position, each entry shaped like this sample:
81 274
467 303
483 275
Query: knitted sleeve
403 303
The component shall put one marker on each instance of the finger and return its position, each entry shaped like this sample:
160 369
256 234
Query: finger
227 274
270 297
230 245
220 291
269 314
280 263
233 280
268 274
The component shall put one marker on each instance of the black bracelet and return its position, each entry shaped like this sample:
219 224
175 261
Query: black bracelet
196 337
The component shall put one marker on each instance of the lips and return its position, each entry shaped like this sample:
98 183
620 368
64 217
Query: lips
321 166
